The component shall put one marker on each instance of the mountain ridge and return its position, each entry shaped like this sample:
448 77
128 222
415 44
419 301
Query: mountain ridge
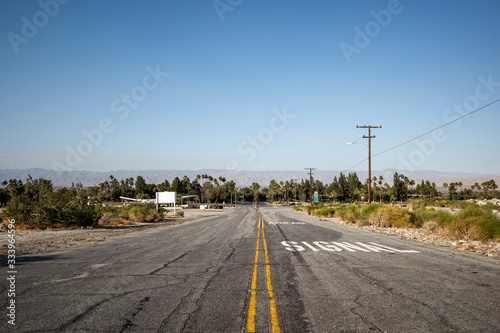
242 178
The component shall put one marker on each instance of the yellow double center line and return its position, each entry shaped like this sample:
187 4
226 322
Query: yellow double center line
273 304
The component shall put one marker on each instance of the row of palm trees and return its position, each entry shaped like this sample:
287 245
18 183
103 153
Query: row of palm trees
486 187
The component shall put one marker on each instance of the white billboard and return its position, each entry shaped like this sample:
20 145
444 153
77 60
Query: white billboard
166 197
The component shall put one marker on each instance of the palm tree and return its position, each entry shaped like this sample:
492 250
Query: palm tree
281 190
380 179
256 188
475 187
445 185
374 187
271 188
216 183
407 184
489 185
287 188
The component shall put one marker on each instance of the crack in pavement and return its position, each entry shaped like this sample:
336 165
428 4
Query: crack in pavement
165 321
170 262
93 306
139 308
445 322
372 326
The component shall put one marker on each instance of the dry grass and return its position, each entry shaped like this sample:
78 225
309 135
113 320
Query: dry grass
473 223
324 212
389 216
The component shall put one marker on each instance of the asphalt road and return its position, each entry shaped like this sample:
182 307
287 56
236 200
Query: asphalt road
304 275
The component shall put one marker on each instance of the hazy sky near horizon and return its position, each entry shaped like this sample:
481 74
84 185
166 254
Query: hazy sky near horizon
251 85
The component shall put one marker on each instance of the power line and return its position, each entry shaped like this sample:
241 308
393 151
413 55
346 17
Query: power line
455 79
430 66
366 159
435 129
448 123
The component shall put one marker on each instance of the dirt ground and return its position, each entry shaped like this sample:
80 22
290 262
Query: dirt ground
30 242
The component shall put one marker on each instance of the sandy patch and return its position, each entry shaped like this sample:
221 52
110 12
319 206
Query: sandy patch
29 242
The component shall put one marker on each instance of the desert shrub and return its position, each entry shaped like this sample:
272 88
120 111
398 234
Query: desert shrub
179 213
350 213
37 205
109 217
440 217
396 217
324 212
490 207
318 205
380 219
368 210
416 204
430 225
112 219
363 222
300 208
474 223
140 213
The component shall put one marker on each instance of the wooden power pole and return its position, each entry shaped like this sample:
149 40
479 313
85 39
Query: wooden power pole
311 183
369 137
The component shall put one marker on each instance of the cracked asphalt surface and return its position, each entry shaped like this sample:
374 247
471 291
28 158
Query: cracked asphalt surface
196 277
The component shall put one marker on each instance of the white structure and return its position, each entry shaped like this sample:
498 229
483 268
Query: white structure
161 198
139 200
166 198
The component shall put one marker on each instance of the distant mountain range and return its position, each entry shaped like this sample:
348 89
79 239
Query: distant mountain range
242 178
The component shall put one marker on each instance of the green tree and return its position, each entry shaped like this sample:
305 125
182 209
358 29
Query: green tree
375 187
164 187
255 188
141 188
354 186
398 187
452 190
487 186
272 189
475 187
39 205
127 187
208 191
176 185
186 185
231 187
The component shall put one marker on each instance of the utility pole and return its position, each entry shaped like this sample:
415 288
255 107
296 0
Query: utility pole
369 137
311 183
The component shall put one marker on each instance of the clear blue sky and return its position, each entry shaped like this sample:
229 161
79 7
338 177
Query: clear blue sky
256 85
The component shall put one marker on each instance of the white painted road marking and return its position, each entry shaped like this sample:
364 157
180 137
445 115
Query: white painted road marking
341 246
286 222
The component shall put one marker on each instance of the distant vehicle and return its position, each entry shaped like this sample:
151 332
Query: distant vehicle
217 207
